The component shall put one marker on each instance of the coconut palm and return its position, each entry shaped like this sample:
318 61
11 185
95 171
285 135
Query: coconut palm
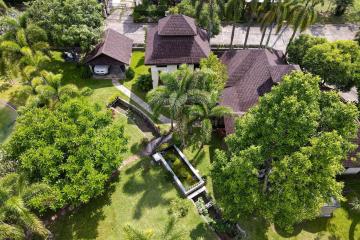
233 12
16 220
251 14
276 15
180 90
203 114
302 15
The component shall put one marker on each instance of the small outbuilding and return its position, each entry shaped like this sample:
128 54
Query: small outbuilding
111 57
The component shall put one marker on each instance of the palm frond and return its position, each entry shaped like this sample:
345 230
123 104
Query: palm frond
8 231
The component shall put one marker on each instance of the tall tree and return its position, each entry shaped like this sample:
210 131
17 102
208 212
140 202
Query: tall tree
284 156
233 12
303 14
69 23
341 6
17 221
251 14
74 148
336 62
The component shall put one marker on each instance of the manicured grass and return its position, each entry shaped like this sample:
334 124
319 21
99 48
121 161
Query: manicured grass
139 197
7 121
137 64
343 224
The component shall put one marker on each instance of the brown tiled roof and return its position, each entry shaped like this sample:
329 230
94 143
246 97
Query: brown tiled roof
177 25
175 49
114 48
252 73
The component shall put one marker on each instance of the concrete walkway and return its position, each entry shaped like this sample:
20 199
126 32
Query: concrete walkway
122 21
138 100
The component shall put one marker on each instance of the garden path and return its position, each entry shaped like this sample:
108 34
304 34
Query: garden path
138 100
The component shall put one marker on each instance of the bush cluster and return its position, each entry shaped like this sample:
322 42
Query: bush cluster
129 73
144 82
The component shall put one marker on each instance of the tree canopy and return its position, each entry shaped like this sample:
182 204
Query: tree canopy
73 148
69 23
283 158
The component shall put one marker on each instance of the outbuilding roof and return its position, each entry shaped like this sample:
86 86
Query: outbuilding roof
176 40
252 73
114 48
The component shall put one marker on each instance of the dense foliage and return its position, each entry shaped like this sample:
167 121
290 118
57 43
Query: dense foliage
336 62
69 23
144 82
299 47
285 154
73 148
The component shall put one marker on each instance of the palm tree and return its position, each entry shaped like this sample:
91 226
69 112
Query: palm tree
302 15
204 114
179 91
277 15
16 220
3 7
168 233
251 12
233 12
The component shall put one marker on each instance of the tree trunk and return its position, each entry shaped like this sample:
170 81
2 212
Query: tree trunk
262 37
291 39
211 9
247 34
232 36
269 36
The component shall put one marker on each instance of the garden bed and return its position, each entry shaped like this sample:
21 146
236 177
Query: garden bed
184 174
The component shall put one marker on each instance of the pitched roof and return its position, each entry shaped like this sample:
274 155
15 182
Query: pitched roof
175 49
115 46
177 25
252 73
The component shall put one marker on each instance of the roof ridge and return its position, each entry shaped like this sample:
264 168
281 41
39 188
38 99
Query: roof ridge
186 18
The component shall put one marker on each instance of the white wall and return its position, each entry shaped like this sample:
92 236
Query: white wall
155 72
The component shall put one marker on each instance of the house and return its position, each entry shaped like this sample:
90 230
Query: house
175 40
112 56
252 73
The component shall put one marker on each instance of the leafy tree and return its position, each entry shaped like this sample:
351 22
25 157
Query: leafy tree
299 47
284 156
73 148
336 62
69 23
341 6
17 221
218 71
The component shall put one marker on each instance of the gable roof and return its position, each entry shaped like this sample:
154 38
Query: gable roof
176 48
177 25
114 45
252 73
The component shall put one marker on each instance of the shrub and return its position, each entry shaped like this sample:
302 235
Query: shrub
144 82
179 207
200 205
129 73
86 91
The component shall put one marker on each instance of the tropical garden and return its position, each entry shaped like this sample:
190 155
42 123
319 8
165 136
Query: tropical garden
271 176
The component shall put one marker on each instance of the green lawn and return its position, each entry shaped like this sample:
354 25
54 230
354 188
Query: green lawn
139 197
343 225
137 63
7 118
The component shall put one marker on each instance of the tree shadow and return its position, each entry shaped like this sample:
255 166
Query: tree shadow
83 222
202 231
152 186
140 62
